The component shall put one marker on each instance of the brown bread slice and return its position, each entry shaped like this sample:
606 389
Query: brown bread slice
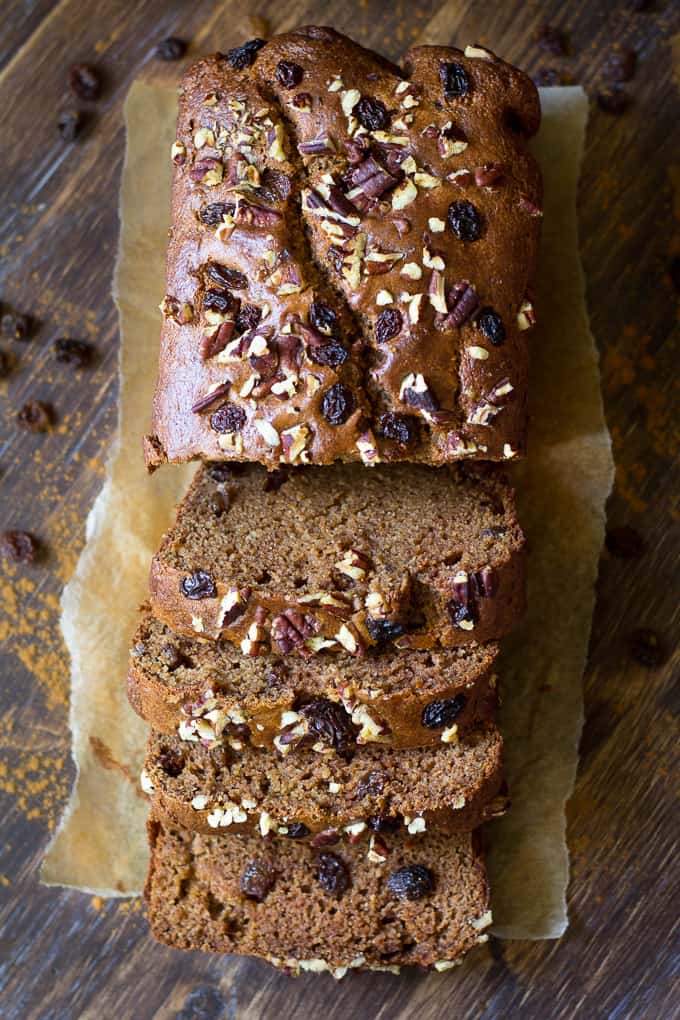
426 902
210 691
451 788
341 558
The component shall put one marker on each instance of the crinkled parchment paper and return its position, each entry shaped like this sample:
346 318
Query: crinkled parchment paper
562 488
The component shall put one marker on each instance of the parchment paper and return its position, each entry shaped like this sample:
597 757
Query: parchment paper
100 846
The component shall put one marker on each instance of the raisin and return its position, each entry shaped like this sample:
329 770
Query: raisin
244 56
323 318
225 276
228 418
257 880
219 301
332 875
552 40
289 74
613 100
72 352
384 823
465 221
15 326
36 416
276 478
247 318
402 428
279 182
70 124
647 648
624 542
439 714
491 325
297 830
330 723
338 404
620 64
19 546
199 585
413 882
171 48
462 613
388 325
331 354
454 79
171 761
213 213
327 837
84 82
5 364
382 631
172 657
217 505
221 472
495 531
372 114
372 786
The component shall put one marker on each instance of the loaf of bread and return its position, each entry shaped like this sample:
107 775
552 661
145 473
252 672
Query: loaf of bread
340 559
423 902
351 256
451 788
210 691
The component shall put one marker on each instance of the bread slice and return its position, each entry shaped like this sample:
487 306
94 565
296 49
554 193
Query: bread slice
451 788
426 902
210 691
342 558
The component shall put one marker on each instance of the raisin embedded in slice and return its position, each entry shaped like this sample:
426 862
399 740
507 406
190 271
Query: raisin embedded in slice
382 631
454 79
402 428
171 761
463 616
221 473
36 416
213 213
439 714
384 823
491 325
413 882
371 786
465 220
228 418
199 585
225 276
19 546
332 875
248 318
371 114
323 318
244 56
219 300
331 354
171 48
330 723
84 82
289 74
297 830
338 404
388 325
72 352
172 657
257 880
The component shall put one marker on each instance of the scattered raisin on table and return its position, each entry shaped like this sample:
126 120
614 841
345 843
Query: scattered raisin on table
646 647
36 415
547 76
5 364
15 326
613 100
70 124
19 546
84 82
552 40
72 352
171 48
620 64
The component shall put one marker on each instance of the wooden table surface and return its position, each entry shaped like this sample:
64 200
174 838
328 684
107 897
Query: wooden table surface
65 954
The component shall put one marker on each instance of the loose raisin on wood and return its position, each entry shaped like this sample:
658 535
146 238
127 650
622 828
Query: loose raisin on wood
289 74
257 880
454 79
330 723
491 325
36 415
228 418
413 882
647 648
70 124
552 40
15 326
372 114
613 100
465 221
333 875
402 428
199 585
337 404
171 48
439 714
244 56
84 82
72 352
388 325
620 64
5 364
19 546
547 76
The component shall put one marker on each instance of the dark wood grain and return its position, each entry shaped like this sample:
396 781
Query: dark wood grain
63 955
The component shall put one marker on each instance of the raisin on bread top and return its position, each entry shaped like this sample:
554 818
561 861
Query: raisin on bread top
335 909
451 788
350 259
210 692
338 559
